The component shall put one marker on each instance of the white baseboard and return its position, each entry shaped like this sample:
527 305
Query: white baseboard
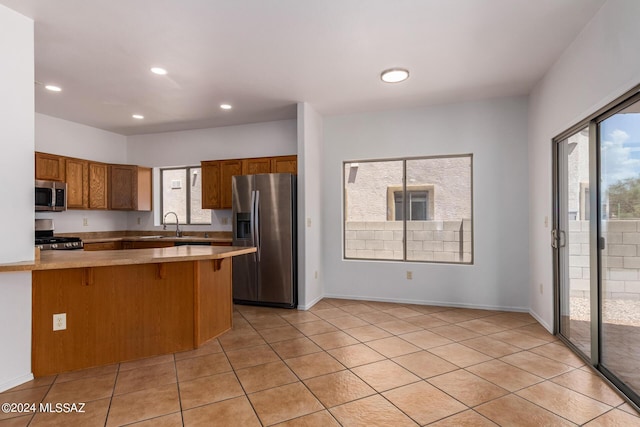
311 304
15 382
435 303
544 324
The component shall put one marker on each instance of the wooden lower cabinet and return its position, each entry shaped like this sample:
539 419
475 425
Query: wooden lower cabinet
103 246
147 244
121 313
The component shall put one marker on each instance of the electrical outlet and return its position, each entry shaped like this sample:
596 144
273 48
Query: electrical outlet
540 288
546 221
85 222
224 220
308 222
138 220
409 275
316 274
60 322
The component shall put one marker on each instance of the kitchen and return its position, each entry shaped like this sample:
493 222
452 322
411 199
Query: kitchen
506 274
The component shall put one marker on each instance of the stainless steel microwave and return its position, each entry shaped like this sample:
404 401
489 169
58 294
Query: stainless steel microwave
51 196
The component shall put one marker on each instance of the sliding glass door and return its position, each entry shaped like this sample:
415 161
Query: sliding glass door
571 239
596 240
619 148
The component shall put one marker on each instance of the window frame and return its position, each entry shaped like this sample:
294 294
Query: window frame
188 170
430 188
393 189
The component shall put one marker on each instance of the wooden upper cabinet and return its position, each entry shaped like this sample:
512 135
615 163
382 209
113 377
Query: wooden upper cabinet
50 167
123 187
145 189
77 176
217 174
228 169
210 184
129 188
98 185
284 164
256 165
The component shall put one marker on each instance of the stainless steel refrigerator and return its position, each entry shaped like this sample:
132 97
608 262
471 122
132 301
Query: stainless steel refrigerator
264 216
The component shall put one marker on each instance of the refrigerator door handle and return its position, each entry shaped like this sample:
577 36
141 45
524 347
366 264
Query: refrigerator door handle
257 223
252 219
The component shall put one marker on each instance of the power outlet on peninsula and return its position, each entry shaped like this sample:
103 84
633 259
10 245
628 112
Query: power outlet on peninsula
60 322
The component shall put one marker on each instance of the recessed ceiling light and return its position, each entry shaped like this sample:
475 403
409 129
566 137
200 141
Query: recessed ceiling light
53 88
159 71
225 106
138 116
394 75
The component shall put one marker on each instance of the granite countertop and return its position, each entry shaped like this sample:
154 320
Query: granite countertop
158 237
137 236
57 260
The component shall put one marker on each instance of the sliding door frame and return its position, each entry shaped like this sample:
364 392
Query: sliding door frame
595 242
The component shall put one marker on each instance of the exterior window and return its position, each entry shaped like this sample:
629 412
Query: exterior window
182 194
417 205
415 209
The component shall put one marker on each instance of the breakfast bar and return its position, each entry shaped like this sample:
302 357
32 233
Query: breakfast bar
128 304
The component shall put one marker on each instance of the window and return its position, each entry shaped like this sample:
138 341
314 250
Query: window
414 209
182 193
418 204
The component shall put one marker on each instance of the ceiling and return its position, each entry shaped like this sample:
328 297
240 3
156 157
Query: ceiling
263 57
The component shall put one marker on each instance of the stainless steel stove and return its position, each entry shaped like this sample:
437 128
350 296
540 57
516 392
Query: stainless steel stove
45 240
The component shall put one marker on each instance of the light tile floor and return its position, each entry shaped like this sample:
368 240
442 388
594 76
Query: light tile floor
344 362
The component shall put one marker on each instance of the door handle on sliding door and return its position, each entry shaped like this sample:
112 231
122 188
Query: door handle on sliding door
558 238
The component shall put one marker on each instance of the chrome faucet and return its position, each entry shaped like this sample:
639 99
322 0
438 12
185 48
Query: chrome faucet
164 223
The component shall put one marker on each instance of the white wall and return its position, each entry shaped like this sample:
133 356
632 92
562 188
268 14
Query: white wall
495 131
65 138
310 226
16 172
71 139
600 65
189 148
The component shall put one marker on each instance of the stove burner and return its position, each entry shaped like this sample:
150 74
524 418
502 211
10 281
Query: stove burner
49 243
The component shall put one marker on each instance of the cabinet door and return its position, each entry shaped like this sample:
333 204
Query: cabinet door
103 246
147 245
256 165
144 200
228 169
49 167
77 173
123 187
210 184
98 196
284 164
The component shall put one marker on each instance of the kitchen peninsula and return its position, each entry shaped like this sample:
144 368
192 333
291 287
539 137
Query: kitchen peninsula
127 304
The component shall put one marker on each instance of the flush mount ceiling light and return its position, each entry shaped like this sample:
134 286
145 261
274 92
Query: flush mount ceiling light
138 116
53 88
159 71
225 106
394 75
